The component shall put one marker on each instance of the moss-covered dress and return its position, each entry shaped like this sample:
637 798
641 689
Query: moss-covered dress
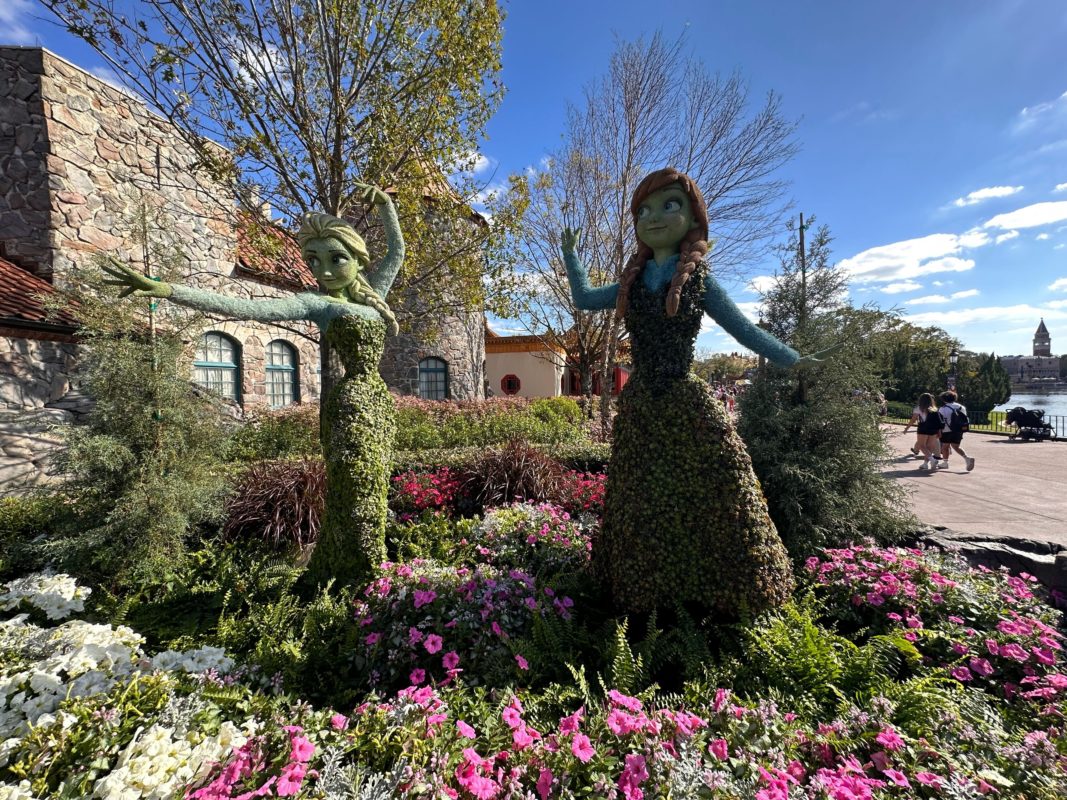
685 519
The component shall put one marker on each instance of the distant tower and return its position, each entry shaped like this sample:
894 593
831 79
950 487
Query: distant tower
1042 341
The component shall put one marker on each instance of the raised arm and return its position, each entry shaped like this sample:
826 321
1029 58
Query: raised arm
276 310
383 277
723 310
585 296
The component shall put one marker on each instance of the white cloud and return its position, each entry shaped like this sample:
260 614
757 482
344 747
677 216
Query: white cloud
914 258
978 195
1007 237
940 298
1032 115
1041 237
902 286
472 163
1019 314
1058 285
1054 304
1030 216
941 283
489 193
761 284
1060 187
14 16
1059 246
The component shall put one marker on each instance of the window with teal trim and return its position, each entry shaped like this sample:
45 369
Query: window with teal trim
217 365
283 388
433 379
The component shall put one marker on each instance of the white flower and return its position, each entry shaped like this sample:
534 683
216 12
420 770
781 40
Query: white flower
56 595
21 791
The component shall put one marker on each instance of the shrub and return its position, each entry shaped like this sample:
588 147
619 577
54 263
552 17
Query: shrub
278 503
541 539
511 473
582 492
581 456
899 409
426 424
290 432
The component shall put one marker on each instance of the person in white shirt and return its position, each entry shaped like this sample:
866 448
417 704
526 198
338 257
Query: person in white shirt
952 439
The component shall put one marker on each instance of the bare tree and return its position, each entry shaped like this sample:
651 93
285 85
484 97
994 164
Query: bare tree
655 106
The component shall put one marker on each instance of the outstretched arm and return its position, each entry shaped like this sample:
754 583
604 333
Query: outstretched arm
383 277
723 310
585 296
277 310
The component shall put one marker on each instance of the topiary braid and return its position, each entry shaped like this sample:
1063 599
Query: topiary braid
693 247
327 226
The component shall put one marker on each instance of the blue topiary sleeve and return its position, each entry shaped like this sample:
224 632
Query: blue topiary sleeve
279 309
382 278
726 313
586 296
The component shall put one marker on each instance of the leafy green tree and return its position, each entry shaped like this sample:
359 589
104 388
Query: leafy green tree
144 471
812 432
917 360
982 383
717 367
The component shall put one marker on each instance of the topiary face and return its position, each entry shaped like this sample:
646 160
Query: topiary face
664 218
333 265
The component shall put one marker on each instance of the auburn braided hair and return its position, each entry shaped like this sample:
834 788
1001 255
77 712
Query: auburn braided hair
326 226
693 247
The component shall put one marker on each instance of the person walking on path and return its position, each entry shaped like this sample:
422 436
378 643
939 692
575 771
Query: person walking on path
954 425
916 418
928 431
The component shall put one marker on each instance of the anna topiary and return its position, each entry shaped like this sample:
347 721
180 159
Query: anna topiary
685 520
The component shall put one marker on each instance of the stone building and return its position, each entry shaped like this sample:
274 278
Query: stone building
79 160
1040 366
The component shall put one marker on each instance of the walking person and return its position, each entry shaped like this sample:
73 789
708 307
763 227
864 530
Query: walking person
928 431
916 418
955 423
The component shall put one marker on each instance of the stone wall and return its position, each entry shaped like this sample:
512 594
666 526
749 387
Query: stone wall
25 193
34 371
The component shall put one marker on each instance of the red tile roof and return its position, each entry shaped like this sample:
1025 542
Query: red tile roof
19 299
270 254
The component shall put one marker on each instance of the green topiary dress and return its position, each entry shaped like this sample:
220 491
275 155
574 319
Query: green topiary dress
685 519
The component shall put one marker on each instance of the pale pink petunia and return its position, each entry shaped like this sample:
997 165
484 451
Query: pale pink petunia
465 730
897 777
544 783
582 748
450 660
338 722
719 748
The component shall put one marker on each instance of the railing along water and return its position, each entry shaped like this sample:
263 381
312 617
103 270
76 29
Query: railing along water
994 423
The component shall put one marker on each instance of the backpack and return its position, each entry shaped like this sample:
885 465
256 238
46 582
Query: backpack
959 421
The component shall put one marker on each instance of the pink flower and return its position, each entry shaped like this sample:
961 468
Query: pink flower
372 638
929 779
570 724
897 777
414 636
1015 652
633 775
433 643
992 647
720 749
417 676
450 660
512 717
465 730
290 779
621 723
1043 655
522 662
962 674
424 598
981 667
889 739
582 748
523 737
338 722
544 783
629 703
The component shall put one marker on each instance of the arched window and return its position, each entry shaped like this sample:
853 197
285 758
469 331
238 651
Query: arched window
433 379
510 384
217 365
283 388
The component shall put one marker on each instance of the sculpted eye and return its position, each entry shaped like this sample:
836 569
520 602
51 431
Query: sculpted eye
642 212
312 261
339 259
672 205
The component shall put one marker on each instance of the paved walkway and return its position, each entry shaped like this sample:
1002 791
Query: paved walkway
1017 488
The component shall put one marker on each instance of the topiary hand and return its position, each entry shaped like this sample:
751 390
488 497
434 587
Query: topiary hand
371 194
821 355
136 284
569 239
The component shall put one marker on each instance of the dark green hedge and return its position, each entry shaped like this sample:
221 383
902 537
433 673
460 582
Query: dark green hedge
580 456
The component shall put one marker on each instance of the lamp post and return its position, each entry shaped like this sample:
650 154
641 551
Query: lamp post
953 360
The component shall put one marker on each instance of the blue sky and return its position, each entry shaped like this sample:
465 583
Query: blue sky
933 135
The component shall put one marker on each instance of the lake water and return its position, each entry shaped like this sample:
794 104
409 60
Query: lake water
1052 403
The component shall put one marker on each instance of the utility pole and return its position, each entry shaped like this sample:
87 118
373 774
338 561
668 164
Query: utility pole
802 316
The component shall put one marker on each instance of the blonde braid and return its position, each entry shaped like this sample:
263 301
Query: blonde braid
360 291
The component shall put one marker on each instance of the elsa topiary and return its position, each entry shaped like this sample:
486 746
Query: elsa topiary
358 416
685 519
